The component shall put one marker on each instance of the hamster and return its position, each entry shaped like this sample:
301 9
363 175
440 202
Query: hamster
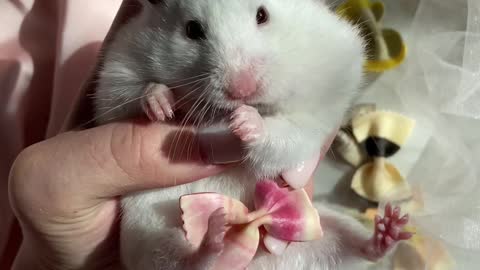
280 74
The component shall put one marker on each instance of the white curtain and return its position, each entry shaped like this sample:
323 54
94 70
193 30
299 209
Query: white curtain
439 86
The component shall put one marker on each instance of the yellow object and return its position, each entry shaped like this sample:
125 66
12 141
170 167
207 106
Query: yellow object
380 181
348 148
385 47
422 252
366 140
370 213
383 133
345 144
383 124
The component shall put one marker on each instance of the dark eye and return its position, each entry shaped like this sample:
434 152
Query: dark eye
262 15
195 30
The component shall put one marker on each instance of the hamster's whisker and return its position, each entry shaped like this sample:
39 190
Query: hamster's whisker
330 151
202 76
112 110
200 115
194 124
184 123
187 96
190 93
189 115
348 128
204 111
211 110
333 4
214 113
360 24
176 138
131 100
190 83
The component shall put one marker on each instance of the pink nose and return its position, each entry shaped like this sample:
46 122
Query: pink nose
242 85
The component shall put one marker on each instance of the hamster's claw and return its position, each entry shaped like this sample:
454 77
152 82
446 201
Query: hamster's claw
388 232
158 102
247 124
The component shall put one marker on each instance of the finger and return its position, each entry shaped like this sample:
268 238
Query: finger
378 221
157 155
396 213
405 235
388 210
404 220
117 159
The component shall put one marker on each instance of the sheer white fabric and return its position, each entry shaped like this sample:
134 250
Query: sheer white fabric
439 86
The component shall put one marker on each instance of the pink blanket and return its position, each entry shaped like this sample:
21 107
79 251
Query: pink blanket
47 49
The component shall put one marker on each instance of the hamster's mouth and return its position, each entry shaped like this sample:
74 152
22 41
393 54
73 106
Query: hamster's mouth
256 99
216 104
262 108
206 113
231 104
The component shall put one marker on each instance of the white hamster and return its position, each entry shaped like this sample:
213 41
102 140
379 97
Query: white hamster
280 73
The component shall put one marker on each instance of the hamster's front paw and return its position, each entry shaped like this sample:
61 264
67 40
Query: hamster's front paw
247 124
217 227
388 232
158 102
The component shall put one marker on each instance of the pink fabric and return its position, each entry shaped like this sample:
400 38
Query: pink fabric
47 49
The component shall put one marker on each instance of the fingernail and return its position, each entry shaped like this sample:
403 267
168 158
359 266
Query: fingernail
219 146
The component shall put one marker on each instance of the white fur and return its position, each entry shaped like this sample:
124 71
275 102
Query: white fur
309 65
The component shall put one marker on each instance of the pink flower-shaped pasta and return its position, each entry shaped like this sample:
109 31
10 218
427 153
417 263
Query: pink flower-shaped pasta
285 214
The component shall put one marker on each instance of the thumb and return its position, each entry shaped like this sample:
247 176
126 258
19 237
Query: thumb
112 160
137 156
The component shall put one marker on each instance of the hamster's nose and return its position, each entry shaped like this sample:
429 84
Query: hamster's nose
242 84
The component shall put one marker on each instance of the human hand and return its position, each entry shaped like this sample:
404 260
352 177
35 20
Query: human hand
65 190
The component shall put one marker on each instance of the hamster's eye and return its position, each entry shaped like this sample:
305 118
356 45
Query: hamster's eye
262 15
195 30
